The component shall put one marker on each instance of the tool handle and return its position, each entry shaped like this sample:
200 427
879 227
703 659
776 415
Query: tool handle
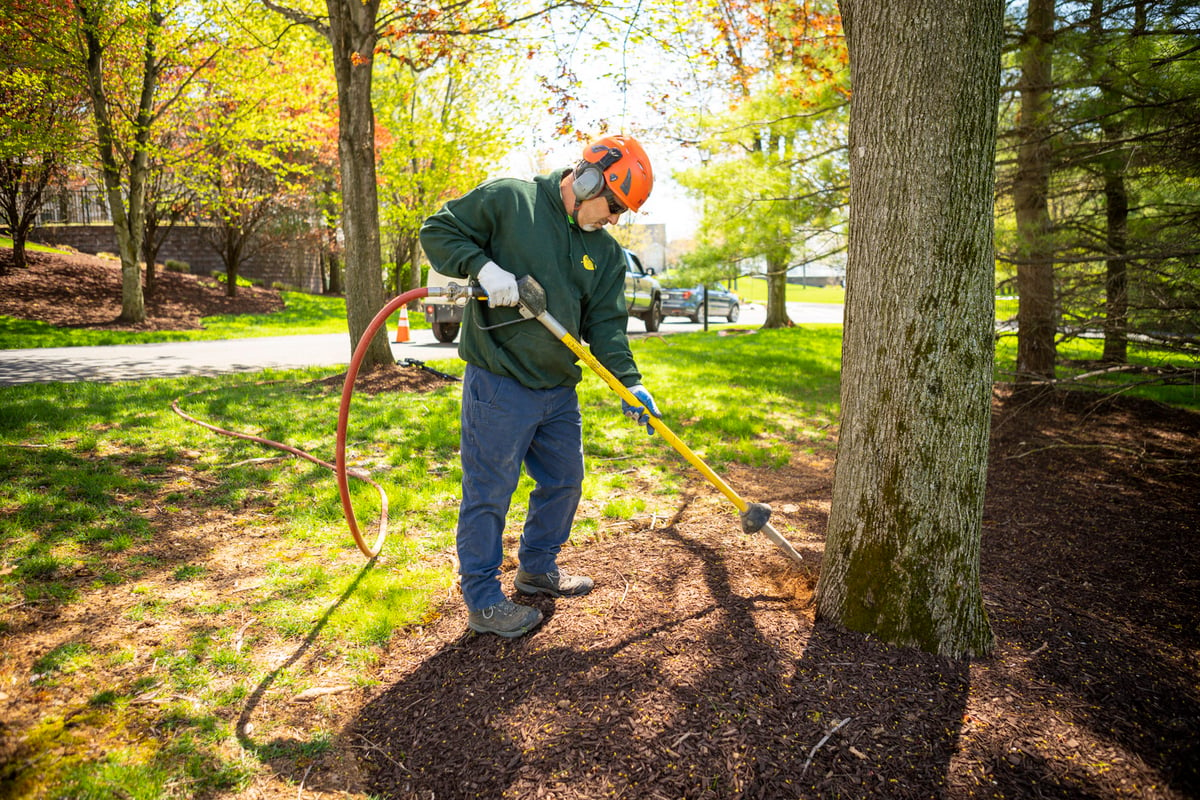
658 425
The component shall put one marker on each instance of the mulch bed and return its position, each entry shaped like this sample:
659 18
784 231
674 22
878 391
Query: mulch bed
84 291
696 669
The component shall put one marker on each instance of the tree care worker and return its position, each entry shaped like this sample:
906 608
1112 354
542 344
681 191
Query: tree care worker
519 404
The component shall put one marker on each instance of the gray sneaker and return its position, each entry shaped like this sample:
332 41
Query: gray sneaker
555 584
505 618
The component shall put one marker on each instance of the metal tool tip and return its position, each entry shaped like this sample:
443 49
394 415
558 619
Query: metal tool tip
754 517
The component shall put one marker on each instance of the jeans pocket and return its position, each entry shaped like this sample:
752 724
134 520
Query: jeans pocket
482 387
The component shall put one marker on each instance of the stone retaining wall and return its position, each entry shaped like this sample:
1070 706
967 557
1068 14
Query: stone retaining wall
295 264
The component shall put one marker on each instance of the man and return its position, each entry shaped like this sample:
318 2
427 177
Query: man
519 404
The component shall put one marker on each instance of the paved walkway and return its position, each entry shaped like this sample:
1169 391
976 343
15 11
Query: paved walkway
131 362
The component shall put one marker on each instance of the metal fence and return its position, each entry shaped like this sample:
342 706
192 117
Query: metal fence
74 207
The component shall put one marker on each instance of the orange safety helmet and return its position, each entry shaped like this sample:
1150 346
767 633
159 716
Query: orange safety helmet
618 164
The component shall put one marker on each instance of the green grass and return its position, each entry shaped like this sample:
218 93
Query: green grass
105 488
33 247
1080 356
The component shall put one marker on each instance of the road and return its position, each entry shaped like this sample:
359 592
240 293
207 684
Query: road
128 362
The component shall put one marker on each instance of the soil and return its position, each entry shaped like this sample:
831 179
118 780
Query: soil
696 668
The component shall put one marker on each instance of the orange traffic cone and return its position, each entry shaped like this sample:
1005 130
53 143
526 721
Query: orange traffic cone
402 326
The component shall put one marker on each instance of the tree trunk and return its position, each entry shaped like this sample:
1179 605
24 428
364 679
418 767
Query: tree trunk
414 270
1116 279
1113 162
233 266
352 34
150 245
127 219
1037 319
334 263
19 239
777 316
902 551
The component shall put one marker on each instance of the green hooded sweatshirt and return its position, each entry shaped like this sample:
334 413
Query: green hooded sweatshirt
523 227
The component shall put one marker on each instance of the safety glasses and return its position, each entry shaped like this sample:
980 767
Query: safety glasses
614 205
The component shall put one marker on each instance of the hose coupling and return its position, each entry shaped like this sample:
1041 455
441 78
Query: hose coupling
455 292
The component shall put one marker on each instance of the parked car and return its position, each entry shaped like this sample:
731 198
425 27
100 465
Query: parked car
689 302
643 293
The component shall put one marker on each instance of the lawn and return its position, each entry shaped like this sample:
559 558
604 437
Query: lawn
232 552
754 290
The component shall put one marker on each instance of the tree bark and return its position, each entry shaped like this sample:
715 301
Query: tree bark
1116 278
1113 164
1037 319
127 208
777 316
353 37
902 551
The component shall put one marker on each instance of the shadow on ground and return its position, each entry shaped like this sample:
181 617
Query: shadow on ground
685 679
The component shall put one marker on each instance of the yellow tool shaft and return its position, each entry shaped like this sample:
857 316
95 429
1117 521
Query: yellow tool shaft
658 425
755 516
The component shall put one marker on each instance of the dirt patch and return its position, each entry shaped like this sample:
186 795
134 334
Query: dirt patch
696 668
382 379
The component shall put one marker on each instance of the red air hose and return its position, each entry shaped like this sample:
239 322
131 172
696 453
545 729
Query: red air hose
452 292
343 480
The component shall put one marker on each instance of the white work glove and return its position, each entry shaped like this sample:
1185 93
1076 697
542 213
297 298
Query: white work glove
500 285
641 413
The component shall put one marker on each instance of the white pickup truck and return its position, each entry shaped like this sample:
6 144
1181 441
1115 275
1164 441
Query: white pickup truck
643 293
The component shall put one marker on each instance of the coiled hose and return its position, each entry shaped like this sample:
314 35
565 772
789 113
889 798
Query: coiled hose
339 466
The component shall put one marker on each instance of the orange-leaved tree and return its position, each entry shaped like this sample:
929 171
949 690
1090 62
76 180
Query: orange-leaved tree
358 32
772 181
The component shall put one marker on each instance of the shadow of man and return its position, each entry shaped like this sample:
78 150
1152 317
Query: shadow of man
672 679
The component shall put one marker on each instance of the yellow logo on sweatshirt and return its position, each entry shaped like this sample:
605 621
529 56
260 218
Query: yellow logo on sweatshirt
588 264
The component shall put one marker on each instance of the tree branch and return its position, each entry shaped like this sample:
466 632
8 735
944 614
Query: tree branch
318 24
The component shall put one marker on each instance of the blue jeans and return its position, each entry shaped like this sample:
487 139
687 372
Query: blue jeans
505 425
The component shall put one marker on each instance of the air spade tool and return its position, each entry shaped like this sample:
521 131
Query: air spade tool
755 517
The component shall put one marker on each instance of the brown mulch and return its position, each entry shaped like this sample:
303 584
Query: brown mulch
381 380
83 291
696 668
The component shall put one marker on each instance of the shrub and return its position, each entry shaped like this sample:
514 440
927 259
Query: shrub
177 266
222 277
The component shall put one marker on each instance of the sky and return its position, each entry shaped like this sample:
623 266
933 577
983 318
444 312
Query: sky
617 108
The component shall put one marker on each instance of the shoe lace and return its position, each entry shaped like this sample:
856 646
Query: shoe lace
503 607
